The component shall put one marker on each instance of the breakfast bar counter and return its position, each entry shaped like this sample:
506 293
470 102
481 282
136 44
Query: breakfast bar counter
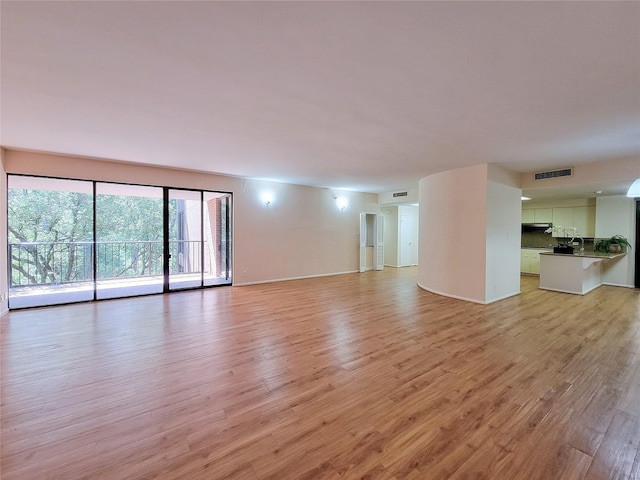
577 273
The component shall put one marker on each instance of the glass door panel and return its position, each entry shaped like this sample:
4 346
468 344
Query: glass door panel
129 240
217 238
60 253
50 240
185 239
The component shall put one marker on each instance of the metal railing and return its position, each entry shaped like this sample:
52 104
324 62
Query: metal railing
52 263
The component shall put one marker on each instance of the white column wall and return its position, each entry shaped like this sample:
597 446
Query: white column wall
469 244
615 215
504 215
452 238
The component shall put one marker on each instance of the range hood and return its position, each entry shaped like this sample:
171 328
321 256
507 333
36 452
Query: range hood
537 225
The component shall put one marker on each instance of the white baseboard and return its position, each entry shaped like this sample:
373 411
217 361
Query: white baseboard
457 297
503 297
560 290
244 284
619 285
467 299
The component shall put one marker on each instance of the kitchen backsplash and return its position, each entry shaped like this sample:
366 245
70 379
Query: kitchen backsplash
537 240
544 240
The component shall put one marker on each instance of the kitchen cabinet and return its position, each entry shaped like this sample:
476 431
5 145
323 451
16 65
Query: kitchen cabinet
528 216
562 218
537 215
583 219
525 262
543 215
530 260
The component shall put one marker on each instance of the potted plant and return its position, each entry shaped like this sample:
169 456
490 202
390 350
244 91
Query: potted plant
615 244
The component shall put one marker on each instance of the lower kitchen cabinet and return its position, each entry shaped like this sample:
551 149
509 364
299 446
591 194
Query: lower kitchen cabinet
530 260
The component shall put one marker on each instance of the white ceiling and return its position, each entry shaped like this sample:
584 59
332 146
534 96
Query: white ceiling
368 96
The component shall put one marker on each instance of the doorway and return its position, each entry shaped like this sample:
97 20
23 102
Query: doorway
198 238
637 248
371 242
407 234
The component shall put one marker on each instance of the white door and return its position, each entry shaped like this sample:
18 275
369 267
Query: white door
363 242
406 240
378 243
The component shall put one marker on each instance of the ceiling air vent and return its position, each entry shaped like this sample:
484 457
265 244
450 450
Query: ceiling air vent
400 194
565 172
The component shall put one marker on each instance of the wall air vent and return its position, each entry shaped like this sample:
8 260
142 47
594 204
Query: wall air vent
400 194
565 172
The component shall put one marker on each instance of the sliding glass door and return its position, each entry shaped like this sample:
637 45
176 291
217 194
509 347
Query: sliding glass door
185 239
73 241
129 240
199 238
217 245
50 240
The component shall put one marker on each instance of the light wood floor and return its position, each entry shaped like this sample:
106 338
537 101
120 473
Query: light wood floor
346 377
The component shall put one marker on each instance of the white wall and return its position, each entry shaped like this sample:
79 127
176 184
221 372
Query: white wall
390 215
452 233
301 233
615 215
503 234
4 287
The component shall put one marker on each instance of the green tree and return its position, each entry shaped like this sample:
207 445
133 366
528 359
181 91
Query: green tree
51 236
129 235
46 231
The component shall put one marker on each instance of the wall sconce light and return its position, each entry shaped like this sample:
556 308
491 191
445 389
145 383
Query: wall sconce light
267 198
341 202
634 189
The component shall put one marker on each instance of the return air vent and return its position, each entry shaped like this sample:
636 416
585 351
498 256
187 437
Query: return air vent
565 172
400 194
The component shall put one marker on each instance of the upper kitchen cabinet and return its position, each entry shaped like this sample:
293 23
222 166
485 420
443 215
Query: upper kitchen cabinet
583 219
527 216
537 215
562 218
543 215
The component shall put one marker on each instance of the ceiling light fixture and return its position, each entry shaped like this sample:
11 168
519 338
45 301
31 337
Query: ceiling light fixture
525 199
634 189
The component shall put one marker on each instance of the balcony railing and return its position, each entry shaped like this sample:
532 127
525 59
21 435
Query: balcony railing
54 263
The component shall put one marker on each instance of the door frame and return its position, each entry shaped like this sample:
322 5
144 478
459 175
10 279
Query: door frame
637 246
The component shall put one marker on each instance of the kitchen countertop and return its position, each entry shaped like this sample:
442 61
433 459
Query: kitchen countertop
577 273
602 255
